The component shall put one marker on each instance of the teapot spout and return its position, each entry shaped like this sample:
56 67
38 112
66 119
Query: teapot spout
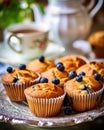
37 14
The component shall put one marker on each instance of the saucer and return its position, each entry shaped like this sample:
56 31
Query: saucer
52 51
3 67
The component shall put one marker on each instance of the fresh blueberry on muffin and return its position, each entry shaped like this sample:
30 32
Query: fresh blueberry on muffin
72 74
9 69
87 88
41 58
55 81
22 66
15 79
82 73
59 63
43 80
79 78
97 76
60 66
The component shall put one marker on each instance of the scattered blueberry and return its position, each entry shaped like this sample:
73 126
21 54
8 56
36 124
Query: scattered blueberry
102 79
43 80
67 110
79 78
66 101
60 66
82 73
15 79
72 74
22 66
9 69
55 81
87 88
41 58
97 76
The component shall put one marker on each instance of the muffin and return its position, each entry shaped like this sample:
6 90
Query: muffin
85 92
72 62
91 68
40 64
45 99
96 40
56 72
16 80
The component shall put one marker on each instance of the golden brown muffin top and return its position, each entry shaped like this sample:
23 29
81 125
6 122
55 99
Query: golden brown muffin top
88 85
44 90
91 68
72 62
39 67
19 75
97 38
55 73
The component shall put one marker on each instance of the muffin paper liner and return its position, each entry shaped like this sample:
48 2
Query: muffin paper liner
45 107
86 102
15 91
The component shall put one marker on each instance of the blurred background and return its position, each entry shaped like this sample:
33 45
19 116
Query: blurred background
16 11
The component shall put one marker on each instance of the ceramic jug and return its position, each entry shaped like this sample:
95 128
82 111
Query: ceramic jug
68 20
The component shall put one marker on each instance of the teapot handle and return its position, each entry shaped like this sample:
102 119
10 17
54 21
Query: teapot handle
96 8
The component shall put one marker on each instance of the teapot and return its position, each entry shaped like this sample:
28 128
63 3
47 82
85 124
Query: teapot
68 20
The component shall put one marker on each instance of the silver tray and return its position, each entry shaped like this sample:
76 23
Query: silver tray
19 113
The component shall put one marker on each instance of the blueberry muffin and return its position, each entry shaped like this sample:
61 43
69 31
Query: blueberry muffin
40 64
45 99
56 72
16 80
85 92
72 62
96 40
91 68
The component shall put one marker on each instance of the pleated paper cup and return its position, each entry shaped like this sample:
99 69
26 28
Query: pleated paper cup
15 91
87 101
45 107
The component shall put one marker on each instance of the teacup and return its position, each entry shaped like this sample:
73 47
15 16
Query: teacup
27 41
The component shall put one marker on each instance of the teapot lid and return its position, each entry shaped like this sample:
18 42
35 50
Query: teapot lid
61 10
63 6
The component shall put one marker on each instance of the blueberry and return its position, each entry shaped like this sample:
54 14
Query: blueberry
68 110
43 80
15 79
55 81
9 69
79 78
72 74
59 63
102 79
66 101
41 58
60 66
97 76
87 88
22 66
82 73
